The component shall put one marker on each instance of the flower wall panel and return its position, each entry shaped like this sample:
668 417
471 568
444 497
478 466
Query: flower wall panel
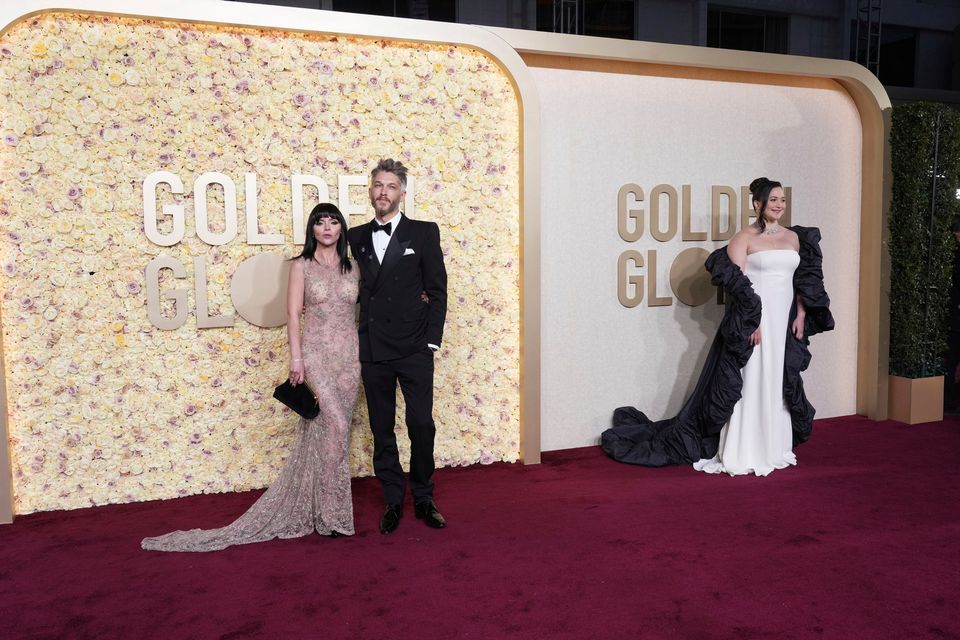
106 407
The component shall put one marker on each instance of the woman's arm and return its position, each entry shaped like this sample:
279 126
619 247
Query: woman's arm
737 252
294 310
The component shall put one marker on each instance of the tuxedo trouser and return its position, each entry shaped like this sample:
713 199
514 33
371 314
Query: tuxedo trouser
414 373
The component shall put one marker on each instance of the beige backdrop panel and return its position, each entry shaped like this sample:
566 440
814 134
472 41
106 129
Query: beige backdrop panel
603 130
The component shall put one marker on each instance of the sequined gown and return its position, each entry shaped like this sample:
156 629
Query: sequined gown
312 492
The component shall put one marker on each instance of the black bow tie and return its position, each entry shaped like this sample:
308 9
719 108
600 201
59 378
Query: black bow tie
381 227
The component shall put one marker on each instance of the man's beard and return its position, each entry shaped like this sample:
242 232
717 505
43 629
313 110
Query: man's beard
391 207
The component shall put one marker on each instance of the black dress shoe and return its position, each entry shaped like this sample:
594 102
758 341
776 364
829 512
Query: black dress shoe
390 518
427 511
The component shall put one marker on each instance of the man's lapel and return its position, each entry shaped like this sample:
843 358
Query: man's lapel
399 242
368 257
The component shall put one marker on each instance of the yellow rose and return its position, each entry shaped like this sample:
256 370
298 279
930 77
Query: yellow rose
39 49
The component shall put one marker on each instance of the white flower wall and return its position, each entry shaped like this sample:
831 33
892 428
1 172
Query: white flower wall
103 406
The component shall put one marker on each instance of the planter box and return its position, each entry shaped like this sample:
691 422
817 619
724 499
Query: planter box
916 400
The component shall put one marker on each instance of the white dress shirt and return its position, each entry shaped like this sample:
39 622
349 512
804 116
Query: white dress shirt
381 239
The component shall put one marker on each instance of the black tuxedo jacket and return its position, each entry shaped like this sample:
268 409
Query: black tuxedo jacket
394 320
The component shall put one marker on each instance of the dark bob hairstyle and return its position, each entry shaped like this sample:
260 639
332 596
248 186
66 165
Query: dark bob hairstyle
321 211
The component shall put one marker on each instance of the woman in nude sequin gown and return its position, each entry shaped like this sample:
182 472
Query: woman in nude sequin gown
312 492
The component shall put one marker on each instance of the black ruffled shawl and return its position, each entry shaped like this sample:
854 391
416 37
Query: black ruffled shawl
694 433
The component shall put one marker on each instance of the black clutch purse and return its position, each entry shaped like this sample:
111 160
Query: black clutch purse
299 398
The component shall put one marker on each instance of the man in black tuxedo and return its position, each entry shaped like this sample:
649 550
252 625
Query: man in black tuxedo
403 304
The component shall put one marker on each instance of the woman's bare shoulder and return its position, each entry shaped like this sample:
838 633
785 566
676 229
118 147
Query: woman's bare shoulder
793 238
742 238
739 246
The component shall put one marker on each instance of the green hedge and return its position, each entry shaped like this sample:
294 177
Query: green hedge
925 161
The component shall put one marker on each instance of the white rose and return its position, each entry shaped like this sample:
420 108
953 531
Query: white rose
132 77
92 35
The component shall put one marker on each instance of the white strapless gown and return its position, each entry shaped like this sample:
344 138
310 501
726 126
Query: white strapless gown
759 436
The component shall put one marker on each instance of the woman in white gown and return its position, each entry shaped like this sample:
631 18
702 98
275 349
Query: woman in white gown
759 436
748 409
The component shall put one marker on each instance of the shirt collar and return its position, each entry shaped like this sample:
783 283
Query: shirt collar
394 221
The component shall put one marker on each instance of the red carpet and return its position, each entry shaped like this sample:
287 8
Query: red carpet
861 540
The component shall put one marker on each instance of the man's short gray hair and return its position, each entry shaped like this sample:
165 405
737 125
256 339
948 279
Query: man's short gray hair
389 165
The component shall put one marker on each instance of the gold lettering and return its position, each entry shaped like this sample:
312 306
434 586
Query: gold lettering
653 300
687 234
716 192
259 290
624 214
253 222
624 282
689 281
747 213
200 185
655 230
359 207
785 218
175 211
179 296
204 321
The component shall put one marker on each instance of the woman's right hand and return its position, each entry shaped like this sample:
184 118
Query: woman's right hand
296 372
754 338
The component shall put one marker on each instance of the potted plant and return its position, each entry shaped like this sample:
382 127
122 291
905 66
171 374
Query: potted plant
925 163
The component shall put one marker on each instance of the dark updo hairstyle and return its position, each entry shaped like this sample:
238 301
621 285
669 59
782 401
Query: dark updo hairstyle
760 190
321 211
